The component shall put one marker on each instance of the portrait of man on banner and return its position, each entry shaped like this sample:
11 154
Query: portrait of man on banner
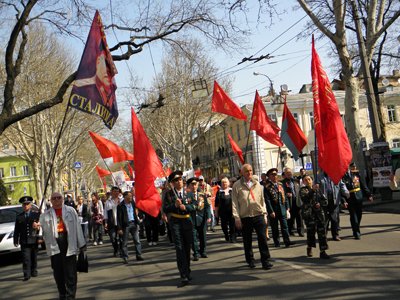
94 88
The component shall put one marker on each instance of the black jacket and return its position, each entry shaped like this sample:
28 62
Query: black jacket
24 234
122 215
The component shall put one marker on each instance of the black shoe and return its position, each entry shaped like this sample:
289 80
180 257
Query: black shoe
267 265
252 264
139 258
195 258
324 255
204 255
277 245
26 278
125 259
34 274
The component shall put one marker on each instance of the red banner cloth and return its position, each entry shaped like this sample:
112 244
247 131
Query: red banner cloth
334 151
263 125
102 172
109 149
221 103
147 168
236 149
93 90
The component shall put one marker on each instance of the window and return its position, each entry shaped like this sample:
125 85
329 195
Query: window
296 117
391 109
273 118
25 170
311 116
13 171
396 143
1 172
238 131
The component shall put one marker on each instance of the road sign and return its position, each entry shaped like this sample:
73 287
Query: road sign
308 166
77 165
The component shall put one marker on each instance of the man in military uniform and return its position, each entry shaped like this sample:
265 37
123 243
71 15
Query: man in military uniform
200 217
179 206
314 203
277 207
357 191
291 187
25 234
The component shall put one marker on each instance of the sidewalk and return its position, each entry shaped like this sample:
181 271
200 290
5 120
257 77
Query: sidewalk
384 206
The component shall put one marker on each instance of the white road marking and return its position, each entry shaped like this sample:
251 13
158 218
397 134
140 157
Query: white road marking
305 270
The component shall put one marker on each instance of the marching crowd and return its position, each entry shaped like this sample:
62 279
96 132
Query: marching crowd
190 208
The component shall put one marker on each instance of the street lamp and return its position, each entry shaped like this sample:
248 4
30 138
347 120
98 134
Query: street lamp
271 86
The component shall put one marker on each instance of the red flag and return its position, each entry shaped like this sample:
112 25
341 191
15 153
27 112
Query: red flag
147 169
130 171
101 172
93 90
263 125
291 133
221 103
334 151
109 149
236 149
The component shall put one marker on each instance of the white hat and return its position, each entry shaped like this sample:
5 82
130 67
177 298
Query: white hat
201 177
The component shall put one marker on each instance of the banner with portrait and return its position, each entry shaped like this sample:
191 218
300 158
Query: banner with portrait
93 90
381 163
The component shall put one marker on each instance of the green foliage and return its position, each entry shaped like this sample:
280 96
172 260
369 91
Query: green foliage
3 193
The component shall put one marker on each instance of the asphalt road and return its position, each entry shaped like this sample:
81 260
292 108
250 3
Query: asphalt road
364 269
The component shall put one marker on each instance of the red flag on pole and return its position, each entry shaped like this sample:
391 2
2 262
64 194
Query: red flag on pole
93 90
109 149
102 172
147 168
263 125
236 149
221 103
334 151
291 133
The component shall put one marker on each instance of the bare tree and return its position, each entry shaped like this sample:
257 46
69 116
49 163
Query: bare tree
46 59
142 23
173 128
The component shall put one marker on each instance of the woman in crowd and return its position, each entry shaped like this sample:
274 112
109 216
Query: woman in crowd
97 212
223 209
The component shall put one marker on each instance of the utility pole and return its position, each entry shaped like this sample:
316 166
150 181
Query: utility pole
373 112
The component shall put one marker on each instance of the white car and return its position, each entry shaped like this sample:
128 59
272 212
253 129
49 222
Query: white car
8 215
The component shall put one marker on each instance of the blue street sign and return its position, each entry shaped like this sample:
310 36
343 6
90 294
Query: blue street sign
77 165
308 166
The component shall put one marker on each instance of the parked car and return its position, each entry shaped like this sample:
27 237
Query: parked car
8 215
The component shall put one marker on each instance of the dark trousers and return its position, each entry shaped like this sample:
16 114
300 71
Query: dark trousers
295 216
29 259
151 226
133 230
332 215
228 226
64 270
258 224
182 235
114 238
279 219
316 224
201 232
355 210
97 232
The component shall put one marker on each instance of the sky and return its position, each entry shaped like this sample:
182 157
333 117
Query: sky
290 63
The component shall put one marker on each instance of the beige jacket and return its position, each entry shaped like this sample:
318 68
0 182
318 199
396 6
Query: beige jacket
248 202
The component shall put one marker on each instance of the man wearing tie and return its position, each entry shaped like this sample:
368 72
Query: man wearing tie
179 206
25 234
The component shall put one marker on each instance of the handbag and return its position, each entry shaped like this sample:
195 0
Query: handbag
82 264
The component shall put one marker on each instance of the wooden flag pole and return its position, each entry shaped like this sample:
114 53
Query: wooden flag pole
52 159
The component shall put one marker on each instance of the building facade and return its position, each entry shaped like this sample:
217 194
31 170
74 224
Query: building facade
16 174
